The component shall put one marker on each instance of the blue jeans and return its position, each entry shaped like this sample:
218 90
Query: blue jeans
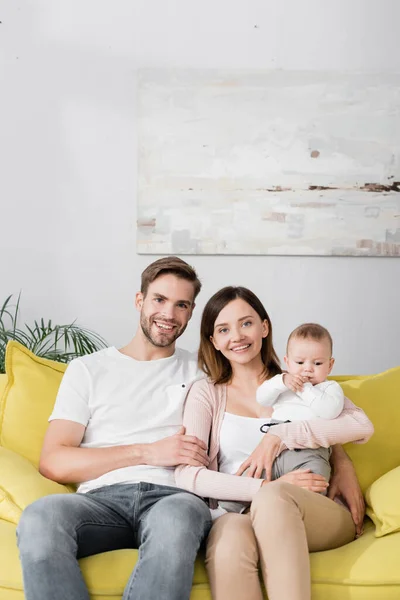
167 524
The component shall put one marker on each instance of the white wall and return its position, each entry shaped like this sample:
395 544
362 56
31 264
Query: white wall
68 158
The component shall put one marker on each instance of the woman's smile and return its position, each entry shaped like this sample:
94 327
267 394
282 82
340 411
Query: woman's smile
241 348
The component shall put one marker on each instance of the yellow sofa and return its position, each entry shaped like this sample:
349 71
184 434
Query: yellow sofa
366 569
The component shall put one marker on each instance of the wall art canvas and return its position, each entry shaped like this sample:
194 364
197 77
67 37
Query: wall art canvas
268 162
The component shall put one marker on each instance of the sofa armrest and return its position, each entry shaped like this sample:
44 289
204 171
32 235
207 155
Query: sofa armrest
20 484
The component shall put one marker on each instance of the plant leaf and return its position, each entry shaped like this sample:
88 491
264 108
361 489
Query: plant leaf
62 343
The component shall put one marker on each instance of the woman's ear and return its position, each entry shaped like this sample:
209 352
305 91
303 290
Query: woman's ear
265 328
213 342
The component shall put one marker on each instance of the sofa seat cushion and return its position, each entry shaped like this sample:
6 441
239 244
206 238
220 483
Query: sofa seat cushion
368 561
368 565
105 574
28 400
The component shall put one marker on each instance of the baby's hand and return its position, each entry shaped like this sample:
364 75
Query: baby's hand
294 382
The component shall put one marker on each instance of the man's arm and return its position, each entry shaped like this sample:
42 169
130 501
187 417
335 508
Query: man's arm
64 461
344 483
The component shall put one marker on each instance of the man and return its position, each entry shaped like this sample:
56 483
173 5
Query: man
116 431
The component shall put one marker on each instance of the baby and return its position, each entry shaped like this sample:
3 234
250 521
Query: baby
302 394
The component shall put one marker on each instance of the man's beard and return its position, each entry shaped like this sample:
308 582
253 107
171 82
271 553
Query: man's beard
164 339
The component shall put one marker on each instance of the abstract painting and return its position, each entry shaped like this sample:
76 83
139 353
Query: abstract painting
268 162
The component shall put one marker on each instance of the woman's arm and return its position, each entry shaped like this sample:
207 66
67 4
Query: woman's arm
352 425
201 481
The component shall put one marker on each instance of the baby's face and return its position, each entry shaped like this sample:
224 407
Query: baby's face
309 358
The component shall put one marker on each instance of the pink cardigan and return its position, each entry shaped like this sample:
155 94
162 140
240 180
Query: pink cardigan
203 415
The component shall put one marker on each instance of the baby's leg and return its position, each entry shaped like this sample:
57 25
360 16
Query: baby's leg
317 460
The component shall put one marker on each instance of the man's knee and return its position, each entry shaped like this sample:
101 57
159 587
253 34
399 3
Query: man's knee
39 525
181 522
187 514
32 529
192 509
36 518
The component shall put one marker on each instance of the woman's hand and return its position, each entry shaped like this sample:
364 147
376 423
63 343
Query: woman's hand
344 483
262 458
305 479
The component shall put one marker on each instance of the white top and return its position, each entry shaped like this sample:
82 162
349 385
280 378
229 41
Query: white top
239 436
121 401
324 400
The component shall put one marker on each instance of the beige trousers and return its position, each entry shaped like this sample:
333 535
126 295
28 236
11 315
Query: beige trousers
284 524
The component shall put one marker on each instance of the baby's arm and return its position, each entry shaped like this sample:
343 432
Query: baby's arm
352 425
325 399
269 391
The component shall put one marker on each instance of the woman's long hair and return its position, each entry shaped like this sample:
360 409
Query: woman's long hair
214 363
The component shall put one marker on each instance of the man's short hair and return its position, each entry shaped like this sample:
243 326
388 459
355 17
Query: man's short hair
311 331
169 265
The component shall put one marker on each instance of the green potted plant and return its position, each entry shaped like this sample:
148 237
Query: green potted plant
56 342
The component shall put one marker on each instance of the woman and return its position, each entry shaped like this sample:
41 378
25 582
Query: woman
286 519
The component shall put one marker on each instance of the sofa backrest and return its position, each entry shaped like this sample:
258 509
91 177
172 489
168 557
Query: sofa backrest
3 382
32 384
379 396
27 400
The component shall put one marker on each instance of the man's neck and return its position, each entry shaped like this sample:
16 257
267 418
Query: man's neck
140 348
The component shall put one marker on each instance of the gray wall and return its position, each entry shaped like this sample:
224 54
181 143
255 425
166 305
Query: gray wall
68 156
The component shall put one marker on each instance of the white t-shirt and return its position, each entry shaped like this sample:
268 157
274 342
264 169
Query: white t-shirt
121 401
238 437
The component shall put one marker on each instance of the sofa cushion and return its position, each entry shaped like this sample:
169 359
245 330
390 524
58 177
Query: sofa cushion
105 574
20 484
3 383
383 505
379 396
366 569
28 400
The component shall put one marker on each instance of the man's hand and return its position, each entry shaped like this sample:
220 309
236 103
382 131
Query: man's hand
176 450
262 458
305 479
294 382
344 483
